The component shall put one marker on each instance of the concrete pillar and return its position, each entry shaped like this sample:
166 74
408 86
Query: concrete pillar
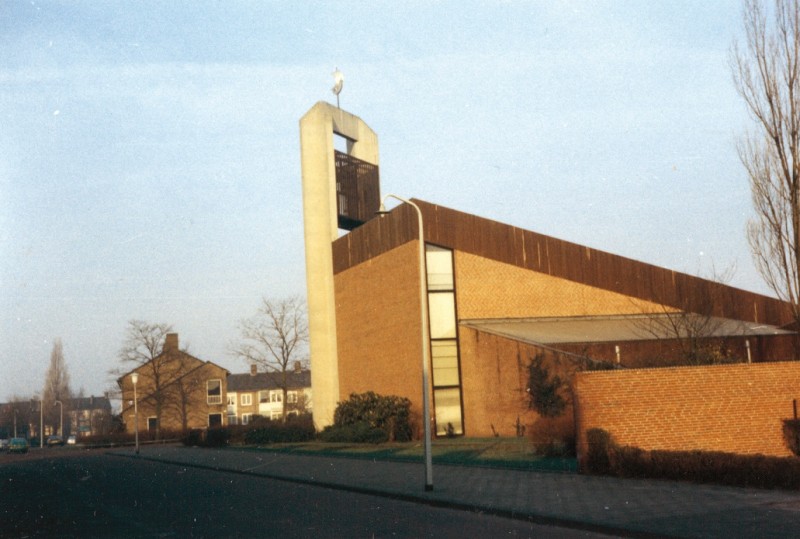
317 128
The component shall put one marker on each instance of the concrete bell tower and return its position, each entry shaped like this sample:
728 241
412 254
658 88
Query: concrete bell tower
340 190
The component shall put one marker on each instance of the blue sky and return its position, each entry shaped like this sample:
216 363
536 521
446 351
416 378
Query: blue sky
149 151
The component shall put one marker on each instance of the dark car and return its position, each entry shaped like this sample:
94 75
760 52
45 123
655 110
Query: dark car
18 445
54 440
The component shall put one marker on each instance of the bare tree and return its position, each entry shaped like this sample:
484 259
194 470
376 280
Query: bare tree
698 338
766 71
143 347
689 330
274 339
56 387
183 394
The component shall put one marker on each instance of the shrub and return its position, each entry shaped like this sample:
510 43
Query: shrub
605 457
545 390
217 437
554 436
390 414
360 433
598 454
266 431
193 437
791 433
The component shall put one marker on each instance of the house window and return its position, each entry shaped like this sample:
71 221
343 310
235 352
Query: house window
246 418
152 424
275 395
247 399
214 392
263 396
231 419
214 420
275 414
231 400
291 397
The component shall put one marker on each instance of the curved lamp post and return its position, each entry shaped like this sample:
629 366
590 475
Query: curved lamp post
423 298
135 379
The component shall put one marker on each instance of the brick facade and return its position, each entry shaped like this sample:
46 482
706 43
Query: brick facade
502 272
378 326
490 289
731 408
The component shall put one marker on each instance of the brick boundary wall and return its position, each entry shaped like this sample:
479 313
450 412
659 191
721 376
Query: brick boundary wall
732 408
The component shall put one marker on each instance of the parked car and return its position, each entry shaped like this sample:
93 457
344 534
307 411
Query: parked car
3 444
18 445
54 440
71 439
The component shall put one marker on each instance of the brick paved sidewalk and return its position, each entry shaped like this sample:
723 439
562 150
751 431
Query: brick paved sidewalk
616 506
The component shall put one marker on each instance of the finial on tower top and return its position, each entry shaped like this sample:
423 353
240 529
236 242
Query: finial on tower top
338 82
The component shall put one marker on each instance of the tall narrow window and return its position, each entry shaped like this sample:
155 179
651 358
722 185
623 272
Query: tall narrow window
444 341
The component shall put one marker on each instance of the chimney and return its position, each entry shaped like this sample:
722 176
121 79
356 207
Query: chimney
298 367
171 342
253 369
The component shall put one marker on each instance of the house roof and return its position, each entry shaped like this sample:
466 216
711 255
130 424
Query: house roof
90 403
600 329
267 380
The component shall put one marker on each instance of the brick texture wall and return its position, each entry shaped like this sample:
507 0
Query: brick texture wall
378 326
494 373
491 289
732 408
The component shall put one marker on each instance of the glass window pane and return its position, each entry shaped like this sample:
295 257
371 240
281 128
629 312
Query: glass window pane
442 310
448 411
444 355
439 262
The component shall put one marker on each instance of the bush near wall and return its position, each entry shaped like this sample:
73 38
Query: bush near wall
260 431
605 457
791 433
388 413
554 436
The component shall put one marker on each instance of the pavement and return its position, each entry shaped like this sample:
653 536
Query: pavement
618 507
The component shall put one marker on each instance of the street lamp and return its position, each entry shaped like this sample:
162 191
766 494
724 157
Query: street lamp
423 298
135 379
61 420
15 422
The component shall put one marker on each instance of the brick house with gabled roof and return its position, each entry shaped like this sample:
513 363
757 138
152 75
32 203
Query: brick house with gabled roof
183 391
262 394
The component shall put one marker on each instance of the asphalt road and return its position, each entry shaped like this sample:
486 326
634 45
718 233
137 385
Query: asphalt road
64 492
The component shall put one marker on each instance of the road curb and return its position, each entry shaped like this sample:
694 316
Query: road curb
421 498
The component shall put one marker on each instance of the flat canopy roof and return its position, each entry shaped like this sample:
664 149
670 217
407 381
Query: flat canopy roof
599 329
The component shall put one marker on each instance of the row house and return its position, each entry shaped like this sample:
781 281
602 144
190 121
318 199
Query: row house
262 394
188 393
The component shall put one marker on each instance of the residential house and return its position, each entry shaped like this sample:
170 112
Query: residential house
87 416
262 394
174 392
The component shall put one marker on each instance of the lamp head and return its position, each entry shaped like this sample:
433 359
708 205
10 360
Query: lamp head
135 377
382 210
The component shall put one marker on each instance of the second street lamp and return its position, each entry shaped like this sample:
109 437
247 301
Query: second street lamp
135 379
